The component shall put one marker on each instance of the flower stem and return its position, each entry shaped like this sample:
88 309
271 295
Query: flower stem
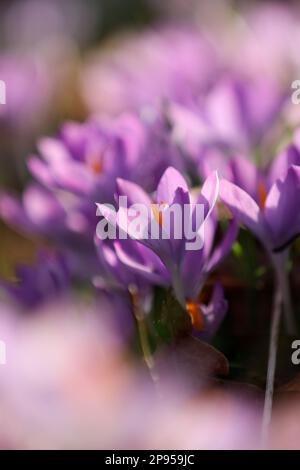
177 286
267 412
142 332
280 265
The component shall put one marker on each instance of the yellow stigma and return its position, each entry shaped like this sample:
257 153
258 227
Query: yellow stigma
194 311
262 194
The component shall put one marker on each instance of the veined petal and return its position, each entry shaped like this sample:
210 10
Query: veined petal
243 207
139 265
210 191
53 150
282 210
134 193
169 183
224 247
279 168
246 175
214 312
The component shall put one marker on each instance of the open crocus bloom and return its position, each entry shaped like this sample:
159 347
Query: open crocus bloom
235 114
277 221
151 230
86 158
188 268
244 173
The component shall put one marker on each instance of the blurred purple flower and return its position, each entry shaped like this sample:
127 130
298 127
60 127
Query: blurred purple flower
47 279
86 158
128 262
176 64
28 91
77 169
234 115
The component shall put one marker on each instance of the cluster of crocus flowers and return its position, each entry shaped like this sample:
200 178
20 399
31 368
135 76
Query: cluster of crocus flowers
186 130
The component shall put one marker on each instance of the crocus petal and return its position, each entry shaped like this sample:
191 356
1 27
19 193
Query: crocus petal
192 269
176 214
109 214
281 164
13 213
169 183
139 267
213 158
189 129
73 176
224 107
246 175
282 210
134 193
210 191
122 221
214 312
42 208
40 170
224 247
243 207
52 150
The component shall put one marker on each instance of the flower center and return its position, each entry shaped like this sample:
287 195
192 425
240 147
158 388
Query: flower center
195 313
96 165
157 210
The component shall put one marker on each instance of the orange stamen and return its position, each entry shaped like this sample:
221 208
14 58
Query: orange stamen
96 166
197 318
262 194
157 212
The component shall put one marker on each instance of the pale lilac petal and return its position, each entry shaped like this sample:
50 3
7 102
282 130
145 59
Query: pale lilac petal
246 175
53 150
243 207
214 312
134 193
210 191
279 168
212 159
169 183
282 209
140 267
42 208
13 213
40 170
222 250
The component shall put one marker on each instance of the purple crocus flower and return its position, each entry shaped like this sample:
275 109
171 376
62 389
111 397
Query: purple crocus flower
128 272
177 64
40 283
172 190
187 269
86 158
256 181
55 217
276 222
28 87
76 169
234 115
